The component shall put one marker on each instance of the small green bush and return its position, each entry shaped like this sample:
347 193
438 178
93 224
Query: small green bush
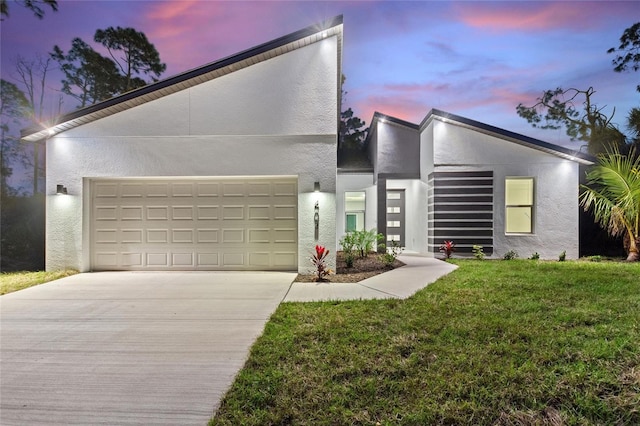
535 256
596 258
478 252
366 241
563 256
510 255
390 255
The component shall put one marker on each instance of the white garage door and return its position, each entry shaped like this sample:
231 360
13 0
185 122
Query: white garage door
194 224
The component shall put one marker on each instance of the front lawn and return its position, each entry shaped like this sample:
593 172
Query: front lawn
496 342
14 281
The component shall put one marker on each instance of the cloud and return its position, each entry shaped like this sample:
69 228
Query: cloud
192 33
533 16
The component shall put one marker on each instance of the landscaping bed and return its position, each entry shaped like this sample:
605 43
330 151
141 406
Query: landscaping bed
362 268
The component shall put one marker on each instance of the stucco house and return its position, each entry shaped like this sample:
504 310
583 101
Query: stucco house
233 166
452 178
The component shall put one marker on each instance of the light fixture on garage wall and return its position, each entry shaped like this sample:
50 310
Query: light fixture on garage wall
61 189
316 186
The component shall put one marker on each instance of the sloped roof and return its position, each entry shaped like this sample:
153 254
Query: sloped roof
150 92
436 114
557 150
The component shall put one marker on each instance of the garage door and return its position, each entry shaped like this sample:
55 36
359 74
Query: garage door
194 224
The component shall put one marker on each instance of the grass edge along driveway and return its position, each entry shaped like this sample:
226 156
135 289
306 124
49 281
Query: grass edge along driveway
495 342
14 281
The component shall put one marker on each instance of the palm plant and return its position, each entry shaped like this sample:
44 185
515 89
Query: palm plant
613 193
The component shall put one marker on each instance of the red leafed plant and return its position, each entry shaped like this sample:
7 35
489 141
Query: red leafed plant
448 247
319 261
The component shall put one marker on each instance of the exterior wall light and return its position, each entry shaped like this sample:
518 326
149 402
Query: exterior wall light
61 189
316 186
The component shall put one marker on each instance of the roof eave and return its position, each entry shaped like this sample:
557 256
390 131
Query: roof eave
187 79
517 138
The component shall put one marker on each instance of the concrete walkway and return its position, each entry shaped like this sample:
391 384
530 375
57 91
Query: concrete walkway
400 283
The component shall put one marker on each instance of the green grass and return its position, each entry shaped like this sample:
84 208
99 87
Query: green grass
507 343
14 281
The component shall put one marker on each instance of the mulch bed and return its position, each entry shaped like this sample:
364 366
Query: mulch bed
363 268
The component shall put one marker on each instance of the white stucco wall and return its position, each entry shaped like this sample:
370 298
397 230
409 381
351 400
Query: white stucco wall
277 117
556 226
426 152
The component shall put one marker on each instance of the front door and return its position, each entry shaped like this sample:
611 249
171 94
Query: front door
395 217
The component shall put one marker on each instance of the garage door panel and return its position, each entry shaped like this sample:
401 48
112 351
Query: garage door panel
197 224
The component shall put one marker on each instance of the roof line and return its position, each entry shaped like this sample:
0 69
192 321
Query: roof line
190 74
378 116
567 153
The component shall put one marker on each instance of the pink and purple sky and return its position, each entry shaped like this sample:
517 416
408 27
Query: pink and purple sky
477 59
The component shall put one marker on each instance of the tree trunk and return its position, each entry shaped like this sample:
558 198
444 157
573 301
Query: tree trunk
634 253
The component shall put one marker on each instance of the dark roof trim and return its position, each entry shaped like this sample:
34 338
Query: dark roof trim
383 118
185 80
530 142
378 116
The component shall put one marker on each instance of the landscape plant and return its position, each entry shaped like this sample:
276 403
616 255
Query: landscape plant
348 243
478 252
563 256
390 254
448 247
510 255
319 261
612 193
366 241
535 256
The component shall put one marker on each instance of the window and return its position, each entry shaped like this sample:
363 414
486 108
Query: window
354 207
519 205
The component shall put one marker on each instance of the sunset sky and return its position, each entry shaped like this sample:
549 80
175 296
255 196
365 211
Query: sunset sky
476 59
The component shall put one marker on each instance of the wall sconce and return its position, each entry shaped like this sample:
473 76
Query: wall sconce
61 190
316 186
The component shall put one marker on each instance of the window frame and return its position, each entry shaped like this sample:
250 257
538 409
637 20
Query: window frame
531 206
348 212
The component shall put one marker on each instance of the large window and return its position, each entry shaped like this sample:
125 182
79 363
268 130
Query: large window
519 199
354 207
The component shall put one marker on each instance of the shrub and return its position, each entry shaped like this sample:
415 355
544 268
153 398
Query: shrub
390 255
478 253
348 243
319 261
596 258
366 241
535 256
563 256
349 258
448 247
510 255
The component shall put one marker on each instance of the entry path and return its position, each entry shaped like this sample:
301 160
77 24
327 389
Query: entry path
401 283
129 347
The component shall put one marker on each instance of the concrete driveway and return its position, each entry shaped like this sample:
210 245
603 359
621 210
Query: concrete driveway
129 347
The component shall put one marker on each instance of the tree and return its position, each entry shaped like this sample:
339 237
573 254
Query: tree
89 76
352 132
633 125
32 74
613 194
628 52
557 108
13 106
33 5
140 57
